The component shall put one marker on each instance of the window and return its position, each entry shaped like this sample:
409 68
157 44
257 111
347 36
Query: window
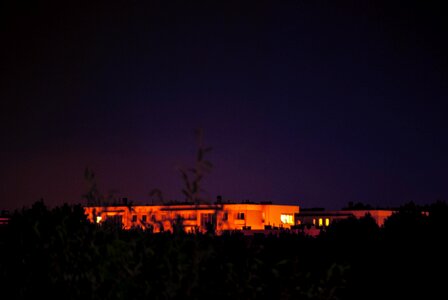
321 222
240 216
287 219
314 221
225 216
134 218
327 222
208 220
144 218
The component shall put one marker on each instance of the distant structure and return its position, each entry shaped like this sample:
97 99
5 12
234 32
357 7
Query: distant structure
312 221
4 217
219 217
248 217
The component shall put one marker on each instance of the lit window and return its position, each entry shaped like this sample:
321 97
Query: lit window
287 219
314 221
321 222
98 219
327 222
240 216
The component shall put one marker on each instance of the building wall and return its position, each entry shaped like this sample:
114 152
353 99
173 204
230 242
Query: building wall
195 217
274 213
312 217
313 221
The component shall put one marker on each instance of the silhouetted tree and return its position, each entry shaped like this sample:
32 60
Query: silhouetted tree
437 217
156 196
92 195
192 177
409 223
353 230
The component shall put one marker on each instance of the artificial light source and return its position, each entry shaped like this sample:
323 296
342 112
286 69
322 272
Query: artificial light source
287 219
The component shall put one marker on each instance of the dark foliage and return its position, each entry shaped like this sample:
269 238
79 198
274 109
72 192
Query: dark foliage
57 253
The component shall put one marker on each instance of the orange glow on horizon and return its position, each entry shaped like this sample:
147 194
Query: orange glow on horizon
196 217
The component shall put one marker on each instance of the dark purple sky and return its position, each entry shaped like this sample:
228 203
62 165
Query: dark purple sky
304 102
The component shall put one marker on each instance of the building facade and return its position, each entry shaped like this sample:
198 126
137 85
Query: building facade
313 221
196 217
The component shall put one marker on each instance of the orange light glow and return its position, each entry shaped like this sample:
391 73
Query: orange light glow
196 217
287 219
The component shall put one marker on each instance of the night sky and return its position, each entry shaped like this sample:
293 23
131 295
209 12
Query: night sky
315 103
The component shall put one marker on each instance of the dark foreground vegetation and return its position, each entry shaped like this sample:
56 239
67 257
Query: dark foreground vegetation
58 254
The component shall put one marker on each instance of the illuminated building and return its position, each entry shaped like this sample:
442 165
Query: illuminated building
314 220
196 217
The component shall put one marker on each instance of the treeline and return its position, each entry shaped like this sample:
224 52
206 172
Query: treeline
58 253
